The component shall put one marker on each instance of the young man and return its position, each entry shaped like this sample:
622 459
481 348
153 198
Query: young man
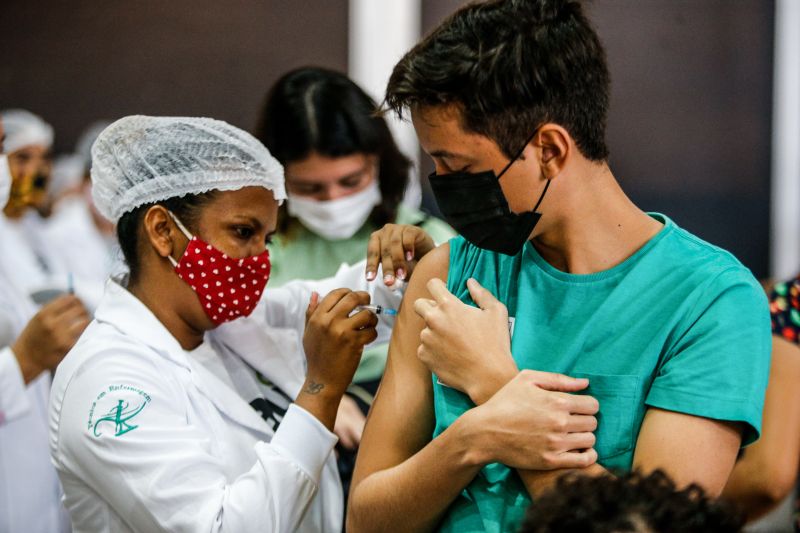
668 334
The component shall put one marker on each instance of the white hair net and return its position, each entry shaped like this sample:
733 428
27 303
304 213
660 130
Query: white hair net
139 160
23 128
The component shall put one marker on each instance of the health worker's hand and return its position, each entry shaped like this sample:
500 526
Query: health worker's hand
49 335
333 342
397 248
468 348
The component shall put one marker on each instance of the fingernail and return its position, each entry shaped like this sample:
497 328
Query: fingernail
370 276
388 279
401 273
409 255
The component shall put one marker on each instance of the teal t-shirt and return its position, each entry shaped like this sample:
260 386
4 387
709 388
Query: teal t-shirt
681 325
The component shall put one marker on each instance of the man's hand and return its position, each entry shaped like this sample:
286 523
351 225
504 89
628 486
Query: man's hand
397 248
468 348
50 334
534 423
349 423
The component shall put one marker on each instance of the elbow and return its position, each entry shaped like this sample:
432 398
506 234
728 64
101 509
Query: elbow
766 489
776 486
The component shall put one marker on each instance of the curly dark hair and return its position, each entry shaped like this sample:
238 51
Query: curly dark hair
630 503
511 66
314 109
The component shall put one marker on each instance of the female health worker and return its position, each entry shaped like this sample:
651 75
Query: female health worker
167 416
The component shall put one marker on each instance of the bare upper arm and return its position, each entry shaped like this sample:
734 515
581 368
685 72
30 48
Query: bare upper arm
401 421
690 449
770 465
780 433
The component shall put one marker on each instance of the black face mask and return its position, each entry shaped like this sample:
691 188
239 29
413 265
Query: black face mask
475 206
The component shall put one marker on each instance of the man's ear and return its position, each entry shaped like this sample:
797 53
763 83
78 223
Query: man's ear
161 231
553 146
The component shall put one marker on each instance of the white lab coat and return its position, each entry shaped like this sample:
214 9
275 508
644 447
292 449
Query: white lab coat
30 495
32 265
193 456
71 235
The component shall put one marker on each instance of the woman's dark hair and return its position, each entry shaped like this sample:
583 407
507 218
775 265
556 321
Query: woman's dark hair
511 66
186 208
318 110
630 503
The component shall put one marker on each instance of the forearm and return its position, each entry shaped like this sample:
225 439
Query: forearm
413 495
538 481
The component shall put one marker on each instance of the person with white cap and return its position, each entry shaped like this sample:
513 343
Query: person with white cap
32 343
81 238
168 415
28 258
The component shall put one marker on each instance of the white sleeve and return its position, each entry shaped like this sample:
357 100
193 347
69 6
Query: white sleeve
285 307
14 401
161 471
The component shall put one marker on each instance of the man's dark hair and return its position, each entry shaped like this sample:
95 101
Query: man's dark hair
631 503
511 66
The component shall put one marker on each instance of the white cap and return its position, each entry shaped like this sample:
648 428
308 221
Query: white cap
140 160
23 128
67 174
83 146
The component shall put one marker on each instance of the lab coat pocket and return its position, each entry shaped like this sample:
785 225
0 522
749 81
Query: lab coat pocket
618 396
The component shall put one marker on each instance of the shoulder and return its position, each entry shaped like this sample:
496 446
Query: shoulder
101 371
704 265
435 264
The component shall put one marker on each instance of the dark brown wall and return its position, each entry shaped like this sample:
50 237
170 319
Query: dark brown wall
689 127
78 61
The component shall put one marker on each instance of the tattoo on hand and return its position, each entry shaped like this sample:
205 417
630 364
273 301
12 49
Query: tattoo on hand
313 387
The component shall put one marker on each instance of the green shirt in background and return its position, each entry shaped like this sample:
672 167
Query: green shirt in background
681 325
306 255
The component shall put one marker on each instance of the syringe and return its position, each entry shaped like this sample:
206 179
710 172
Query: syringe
377 309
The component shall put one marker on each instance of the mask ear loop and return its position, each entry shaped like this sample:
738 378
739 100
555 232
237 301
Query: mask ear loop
517 155
183 230
513 159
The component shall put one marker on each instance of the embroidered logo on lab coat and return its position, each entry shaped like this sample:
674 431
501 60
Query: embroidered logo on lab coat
115 408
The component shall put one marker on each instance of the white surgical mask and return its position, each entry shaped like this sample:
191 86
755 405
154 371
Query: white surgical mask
5 180
336 219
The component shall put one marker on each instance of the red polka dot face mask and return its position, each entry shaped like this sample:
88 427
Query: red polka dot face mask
228 288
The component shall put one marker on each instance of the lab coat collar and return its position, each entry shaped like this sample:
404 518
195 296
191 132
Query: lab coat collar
276 353
128 314
227 400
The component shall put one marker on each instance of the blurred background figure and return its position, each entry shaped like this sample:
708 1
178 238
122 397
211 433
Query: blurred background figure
32 342
630 503
28 256
345 175
81 239
345 178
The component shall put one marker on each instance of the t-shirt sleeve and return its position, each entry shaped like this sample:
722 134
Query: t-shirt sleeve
718 366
